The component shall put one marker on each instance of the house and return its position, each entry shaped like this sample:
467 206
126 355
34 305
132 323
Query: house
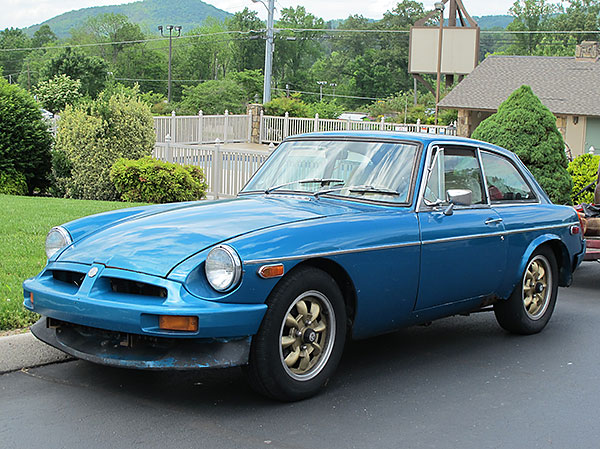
568 86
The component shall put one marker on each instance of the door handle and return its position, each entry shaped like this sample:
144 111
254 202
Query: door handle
490 221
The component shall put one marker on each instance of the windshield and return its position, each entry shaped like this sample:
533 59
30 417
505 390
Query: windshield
379 171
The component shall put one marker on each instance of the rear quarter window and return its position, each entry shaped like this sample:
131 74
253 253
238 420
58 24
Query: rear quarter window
505 183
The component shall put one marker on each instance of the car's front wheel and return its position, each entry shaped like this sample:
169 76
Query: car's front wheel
301 338
531 304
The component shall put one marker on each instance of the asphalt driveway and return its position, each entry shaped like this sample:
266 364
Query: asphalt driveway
459 383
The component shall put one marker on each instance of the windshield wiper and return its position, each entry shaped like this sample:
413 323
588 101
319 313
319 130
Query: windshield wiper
322 181
360 189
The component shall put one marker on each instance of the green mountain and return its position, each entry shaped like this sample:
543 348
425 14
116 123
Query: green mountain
147 13
488 22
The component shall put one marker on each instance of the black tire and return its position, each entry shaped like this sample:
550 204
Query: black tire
532 302
277 340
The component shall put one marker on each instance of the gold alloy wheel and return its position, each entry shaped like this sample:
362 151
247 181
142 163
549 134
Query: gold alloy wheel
307 335
537 287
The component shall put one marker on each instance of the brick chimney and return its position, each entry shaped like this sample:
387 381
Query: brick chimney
587 51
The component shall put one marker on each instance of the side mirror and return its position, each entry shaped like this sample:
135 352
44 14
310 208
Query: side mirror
460 197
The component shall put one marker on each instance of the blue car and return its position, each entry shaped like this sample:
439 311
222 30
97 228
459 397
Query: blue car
338 235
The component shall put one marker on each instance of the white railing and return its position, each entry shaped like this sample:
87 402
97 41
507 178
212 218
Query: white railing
199 129
275 129
226 170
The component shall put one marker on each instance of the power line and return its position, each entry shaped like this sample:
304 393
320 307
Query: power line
137 41
275 88
327 95
160 80
294 30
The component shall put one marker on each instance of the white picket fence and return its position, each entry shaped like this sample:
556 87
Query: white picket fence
230 128
198 140
275 129
201 129
226 170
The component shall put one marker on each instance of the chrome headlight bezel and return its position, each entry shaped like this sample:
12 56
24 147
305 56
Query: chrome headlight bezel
63 239
231 273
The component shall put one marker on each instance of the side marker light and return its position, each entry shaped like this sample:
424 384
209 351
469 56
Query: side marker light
271 271
178 323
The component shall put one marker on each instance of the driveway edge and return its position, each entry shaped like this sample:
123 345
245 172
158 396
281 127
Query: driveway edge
25 351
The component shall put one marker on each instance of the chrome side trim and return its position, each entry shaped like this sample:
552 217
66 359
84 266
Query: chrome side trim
464 237
404 245
492 234
331 253
540 228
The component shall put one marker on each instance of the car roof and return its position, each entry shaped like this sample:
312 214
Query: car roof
423 138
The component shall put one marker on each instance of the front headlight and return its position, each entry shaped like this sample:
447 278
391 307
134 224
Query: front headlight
223 268
57 239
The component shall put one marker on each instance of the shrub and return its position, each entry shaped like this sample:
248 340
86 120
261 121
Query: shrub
95 134
24 138
60 175
528 128
213 97
583 170
326 109
152 181
58 92
12 183
292 105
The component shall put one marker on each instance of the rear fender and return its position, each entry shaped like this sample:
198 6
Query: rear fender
560 251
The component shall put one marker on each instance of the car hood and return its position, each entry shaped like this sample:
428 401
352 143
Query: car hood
155 243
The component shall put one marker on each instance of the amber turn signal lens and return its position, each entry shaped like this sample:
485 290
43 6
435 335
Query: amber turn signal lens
31 297
178 323
271 271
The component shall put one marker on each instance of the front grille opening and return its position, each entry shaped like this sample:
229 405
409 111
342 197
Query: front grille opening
136 288
69 277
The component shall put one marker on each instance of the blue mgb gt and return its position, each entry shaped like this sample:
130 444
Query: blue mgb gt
338 235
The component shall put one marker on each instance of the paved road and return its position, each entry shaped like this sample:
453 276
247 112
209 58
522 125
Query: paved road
460 383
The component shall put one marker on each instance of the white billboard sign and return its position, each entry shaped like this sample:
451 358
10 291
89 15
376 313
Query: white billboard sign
460 50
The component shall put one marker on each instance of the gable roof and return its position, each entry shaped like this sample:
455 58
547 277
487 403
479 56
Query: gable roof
565 85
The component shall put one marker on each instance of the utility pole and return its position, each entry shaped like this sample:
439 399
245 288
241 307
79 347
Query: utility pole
170 29
439 6
334 85
268 49
321 84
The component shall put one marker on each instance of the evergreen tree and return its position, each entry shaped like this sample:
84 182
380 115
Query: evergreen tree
24 138
526 127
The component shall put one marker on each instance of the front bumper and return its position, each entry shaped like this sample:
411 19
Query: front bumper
65 292
139 352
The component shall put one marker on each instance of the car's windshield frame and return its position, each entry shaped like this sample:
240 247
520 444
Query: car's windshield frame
413 176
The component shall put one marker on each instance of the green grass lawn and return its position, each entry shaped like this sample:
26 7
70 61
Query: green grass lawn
24 223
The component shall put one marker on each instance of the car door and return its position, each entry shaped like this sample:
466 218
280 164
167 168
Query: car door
514 200
463 251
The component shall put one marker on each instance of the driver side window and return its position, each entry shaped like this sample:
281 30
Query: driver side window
454 168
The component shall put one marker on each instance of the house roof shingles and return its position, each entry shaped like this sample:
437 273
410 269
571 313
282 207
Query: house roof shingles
564 85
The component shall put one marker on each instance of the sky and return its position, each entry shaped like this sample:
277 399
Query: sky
23 13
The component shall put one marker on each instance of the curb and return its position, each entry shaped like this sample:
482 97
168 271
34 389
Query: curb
25 351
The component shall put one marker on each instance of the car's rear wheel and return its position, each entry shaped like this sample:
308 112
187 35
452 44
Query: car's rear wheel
531 304
301 338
